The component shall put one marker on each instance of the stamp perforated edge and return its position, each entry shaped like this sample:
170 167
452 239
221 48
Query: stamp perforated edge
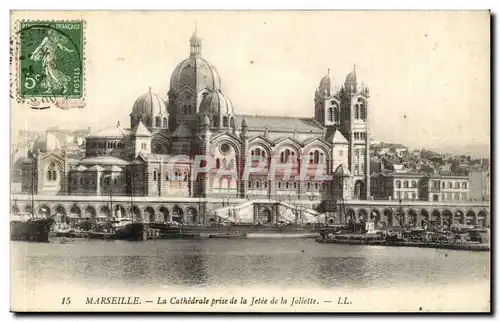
34 102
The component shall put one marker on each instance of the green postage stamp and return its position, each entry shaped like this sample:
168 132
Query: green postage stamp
50 63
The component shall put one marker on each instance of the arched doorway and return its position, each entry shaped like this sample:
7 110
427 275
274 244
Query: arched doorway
177 215
435 219
149 214
163 215
120 212
389 217
104 213
447 217
192 215
28 209
459 217
89 212
471 218
265 216
412 218
482 219
75 212
363 215
375 217
44 211
358 189
350 216
136 214
60 214
424 217
398 217
14 209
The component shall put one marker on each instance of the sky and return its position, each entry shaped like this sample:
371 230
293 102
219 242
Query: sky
428 72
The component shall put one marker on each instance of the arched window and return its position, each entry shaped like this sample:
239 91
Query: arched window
257 151
225 122
51 172
362 111
413 184
398 184
316 186
257 184
405 184
457 196
249 184
435 198
165 122
356 111
154 175
457 185
282 157
158 122
464 185
311 157
265 184
287 155
279 184
217 163
308 185
336 114
405 195
450 184
316 157
295 185
330 114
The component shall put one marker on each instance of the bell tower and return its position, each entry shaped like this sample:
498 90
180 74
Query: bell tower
354 126
326 103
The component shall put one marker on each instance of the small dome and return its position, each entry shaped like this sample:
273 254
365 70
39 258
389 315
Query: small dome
351 78
342 171
206 120
47 142
149 104
216 103
194 38
197 73
325 82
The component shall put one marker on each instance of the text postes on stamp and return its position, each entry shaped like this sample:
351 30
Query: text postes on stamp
51 63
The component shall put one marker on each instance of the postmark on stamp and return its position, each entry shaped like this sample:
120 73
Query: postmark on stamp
50 63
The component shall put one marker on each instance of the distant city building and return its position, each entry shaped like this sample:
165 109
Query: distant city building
454 188
479 184
397 186
416 186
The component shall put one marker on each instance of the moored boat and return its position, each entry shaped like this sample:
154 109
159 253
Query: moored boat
26 227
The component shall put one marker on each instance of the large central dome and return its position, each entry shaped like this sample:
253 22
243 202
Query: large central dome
195 72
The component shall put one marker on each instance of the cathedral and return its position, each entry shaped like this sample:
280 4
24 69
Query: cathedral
197 118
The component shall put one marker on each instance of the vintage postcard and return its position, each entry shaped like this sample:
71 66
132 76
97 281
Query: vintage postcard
250 161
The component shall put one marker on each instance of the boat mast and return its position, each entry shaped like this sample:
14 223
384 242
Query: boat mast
131 194
111 203
33 189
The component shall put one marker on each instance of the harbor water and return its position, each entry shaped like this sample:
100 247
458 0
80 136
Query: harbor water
279 263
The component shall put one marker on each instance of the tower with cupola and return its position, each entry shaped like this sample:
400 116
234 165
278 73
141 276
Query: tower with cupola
326 103
354 126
